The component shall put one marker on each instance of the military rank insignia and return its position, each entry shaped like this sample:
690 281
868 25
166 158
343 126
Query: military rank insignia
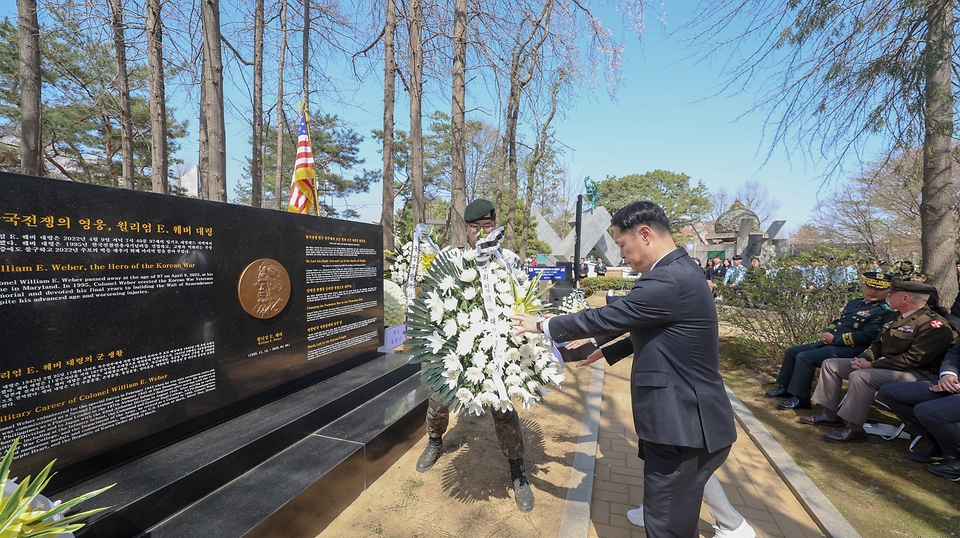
864 313
936 324
905 329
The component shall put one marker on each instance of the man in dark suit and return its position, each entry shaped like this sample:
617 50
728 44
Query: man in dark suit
680 407
932 408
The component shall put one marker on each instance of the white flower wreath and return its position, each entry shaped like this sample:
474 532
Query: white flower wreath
473 361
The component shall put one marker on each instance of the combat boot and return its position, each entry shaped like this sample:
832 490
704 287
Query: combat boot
430 454
522 491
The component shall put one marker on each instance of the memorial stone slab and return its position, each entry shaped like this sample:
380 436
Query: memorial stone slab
132 319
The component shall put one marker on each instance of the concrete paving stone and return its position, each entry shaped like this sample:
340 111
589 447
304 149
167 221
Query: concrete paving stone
600 511
608 531
753 514
602 495
627 471
611 486
602 472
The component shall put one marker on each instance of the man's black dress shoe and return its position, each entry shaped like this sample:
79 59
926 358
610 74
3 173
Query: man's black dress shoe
846 435
929 454
949 469
821 419
794 403
779 392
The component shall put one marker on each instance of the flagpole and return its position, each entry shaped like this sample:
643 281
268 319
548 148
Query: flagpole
304 110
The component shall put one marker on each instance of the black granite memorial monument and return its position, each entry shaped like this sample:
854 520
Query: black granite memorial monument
134 321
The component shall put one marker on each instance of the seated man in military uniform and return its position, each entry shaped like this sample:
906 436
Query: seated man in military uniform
845 337
910 348
932 408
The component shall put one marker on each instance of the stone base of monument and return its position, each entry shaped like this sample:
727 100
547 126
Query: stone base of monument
285 469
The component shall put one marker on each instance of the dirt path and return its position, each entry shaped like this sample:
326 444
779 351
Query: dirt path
468 492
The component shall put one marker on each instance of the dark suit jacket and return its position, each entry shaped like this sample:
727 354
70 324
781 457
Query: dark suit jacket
677 393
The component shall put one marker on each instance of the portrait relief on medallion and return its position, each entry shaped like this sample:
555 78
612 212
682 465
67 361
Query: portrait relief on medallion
264 288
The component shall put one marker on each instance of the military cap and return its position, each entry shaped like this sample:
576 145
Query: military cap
876 279
912 286
906 263
479 209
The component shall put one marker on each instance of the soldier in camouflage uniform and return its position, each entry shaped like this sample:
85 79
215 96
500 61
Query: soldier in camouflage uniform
481 215
845 337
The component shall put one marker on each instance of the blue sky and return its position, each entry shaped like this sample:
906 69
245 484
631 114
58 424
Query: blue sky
666 116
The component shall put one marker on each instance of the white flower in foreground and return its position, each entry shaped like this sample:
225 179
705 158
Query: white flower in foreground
452 377
513 380
489 398
465 396
446 283
479 359
468 275
487 341
488 386
452 363
465 343
474 375
463 319
469 255
449 328
450 304
507 299
435 304
533 386
503 287
513 369
476 316
469 293
436 342
475 406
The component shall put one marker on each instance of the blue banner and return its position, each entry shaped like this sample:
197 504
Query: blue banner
550 272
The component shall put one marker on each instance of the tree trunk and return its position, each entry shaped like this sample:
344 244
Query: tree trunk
416 116
389 96
28 35
458 135
158 105
513 117
123 89
203 165
281 122
213 102
256 160
938 217
542 137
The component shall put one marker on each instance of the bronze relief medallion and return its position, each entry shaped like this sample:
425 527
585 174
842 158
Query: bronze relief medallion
264 288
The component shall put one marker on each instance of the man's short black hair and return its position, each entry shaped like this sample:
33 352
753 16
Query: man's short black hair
638 213
738 257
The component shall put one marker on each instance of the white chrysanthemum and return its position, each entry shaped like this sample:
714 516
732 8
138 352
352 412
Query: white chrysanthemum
480 359
449 328
435 305
476 316
507 299
512 355
446 283
475 406
394 304
489 386
487 341
542 364
474 375
465 343
489 398
502 287
513 369
513 380
533 386
468 275
450 304
436 342
469 293
452 363
469 255
463 319
465 396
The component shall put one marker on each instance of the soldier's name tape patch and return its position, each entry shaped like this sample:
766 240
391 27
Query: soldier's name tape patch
905 329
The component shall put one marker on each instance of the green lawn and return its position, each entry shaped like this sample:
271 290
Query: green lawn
874 485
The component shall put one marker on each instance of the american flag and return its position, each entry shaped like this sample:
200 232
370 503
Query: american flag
302 197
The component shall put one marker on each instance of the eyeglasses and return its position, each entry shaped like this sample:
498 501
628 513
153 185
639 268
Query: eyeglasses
488 227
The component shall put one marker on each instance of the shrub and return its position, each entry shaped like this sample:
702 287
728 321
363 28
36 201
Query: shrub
601 283
789 301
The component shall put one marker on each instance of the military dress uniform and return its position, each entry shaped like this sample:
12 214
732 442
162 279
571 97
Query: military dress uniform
909 348
858 325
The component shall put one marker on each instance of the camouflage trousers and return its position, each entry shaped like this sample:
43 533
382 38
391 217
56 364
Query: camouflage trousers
507 426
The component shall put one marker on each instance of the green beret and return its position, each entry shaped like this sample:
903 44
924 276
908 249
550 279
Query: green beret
876 279
915 287
479 209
